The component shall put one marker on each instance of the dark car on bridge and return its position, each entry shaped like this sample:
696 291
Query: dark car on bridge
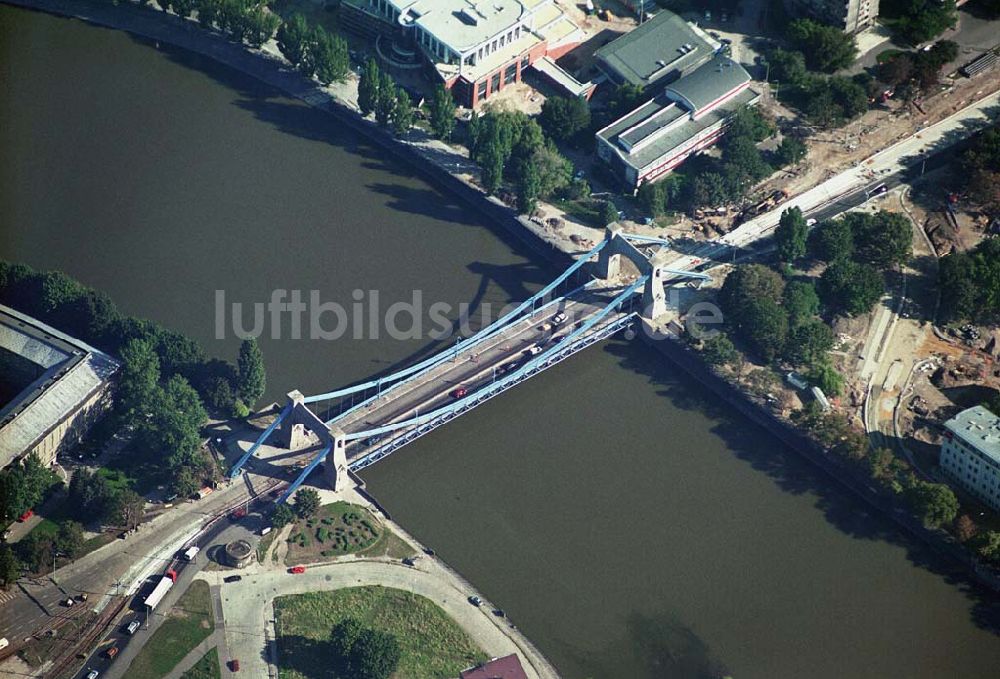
460 392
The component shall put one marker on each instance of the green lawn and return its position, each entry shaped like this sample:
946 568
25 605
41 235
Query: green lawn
206 668
432 644
189 622
341 528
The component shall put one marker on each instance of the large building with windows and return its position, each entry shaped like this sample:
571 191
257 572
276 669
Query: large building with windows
970 453
850 16
688 116
52 388
475 47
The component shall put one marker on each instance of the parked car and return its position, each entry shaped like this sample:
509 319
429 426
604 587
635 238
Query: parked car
111 652
296 570
559 318
234 665
93 674
133 627
460 392
232 578
28 513
475 601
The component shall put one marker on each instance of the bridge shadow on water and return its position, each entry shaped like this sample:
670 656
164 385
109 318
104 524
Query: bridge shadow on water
794 474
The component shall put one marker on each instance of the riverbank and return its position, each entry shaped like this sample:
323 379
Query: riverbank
847 477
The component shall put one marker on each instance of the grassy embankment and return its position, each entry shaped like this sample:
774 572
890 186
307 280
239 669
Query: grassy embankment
432 645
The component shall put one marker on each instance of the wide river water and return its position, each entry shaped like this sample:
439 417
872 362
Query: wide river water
625 521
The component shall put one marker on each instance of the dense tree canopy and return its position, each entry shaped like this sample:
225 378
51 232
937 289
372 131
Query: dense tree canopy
970 283
790 235
831 240
851 287
917 21
563 118
826 48
442 113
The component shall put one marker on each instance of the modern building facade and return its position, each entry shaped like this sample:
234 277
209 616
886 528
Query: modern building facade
656 52
67 388
475 47
851 16
688 116
970 453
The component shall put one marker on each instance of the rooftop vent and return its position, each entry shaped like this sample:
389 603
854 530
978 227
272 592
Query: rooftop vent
469 17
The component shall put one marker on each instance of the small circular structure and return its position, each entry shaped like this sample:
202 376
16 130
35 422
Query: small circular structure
238 553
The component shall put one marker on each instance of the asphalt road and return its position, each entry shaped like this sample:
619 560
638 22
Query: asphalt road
221 533
472 369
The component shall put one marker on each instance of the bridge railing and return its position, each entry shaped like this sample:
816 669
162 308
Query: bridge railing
468 342
458 404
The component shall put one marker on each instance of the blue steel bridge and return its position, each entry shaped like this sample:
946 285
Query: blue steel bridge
588 302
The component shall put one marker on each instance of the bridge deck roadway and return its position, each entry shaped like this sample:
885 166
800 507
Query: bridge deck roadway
472 369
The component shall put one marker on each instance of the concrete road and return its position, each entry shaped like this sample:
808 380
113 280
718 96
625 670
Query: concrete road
248 607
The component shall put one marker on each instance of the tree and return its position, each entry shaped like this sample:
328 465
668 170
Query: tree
368 86
138 387
528 187
491 163
743 163
748 123
720 350
69 538
402 112
831 240
826 48
330 56
826 377
282 515
252 377
652 198
709 188
90 494
208 12
851 287
293 39
307 502
175 429
10 566
988 545
935 503
917 21
787 67
880 463
609 213
791 151
808 342
385 100
896 70
624 99
965 528
127 508
375 655
883 239
563 118
442 113
790 235
261 24
763 324
801 302
748 281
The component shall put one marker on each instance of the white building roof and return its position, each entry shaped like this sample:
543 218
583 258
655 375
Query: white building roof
980 428
73 370
461 24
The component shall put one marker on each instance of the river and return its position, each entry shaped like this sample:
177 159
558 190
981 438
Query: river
623 519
